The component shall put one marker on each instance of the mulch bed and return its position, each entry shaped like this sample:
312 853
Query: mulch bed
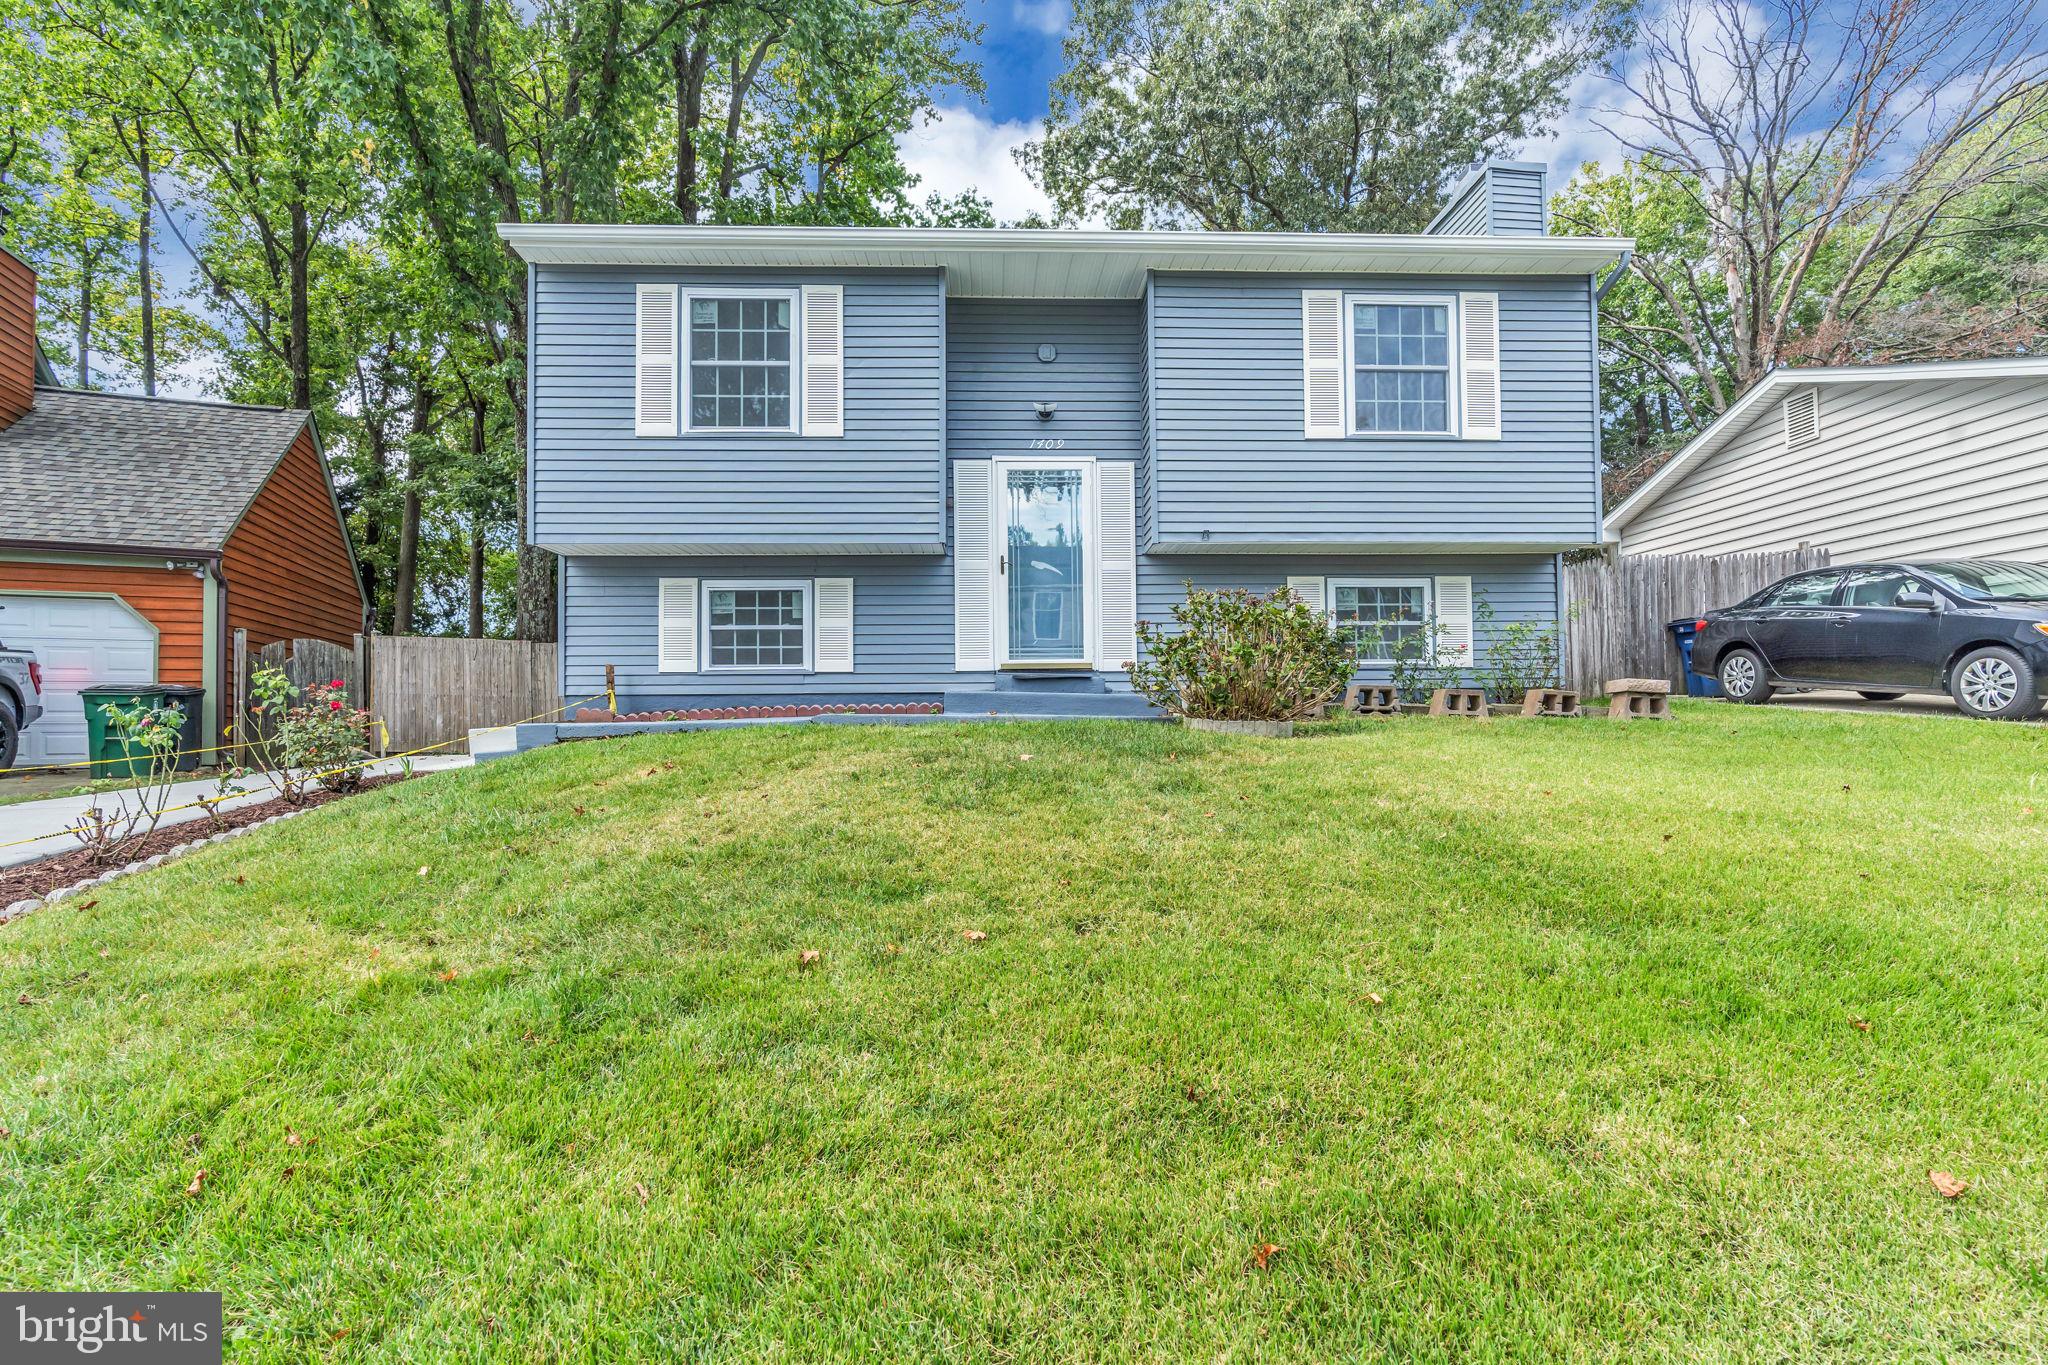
45 875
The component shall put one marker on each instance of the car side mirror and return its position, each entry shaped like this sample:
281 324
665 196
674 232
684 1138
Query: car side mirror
1923 601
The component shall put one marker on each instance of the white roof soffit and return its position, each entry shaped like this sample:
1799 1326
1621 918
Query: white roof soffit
1730 423
1056 263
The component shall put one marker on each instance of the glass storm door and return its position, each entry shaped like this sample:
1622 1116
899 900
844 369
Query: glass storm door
1045 563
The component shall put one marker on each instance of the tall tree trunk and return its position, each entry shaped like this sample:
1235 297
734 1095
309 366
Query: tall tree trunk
408 556
533 590
476 576
85 325
142 246
299 340
690 59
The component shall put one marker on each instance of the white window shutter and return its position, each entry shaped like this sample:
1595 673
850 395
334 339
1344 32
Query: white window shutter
654 369
824 343
678 628
832 646
1310 590
1116 570
1479 364
974 630
1454 622
1322 363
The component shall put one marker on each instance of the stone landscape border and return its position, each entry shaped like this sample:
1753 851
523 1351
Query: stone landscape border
111 875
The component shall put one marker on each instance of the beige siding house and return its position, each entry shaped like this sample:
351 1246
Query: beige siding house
1945 460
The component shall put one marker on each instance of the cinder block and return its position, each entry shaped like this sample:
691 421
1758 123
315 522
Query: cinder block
1550 701
1638 706
1371 699
1468 702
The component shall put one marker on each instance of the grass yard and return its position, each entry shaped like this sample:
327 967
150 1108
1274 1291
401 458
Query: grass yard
1529 1041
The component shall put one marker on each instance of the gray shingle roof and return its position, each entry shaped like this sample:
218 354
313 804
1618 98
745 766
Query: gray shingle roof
108 469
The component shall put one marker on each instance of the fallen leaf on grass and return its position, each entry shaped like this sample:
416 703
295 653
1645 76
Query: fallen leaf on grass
893 949
448 975
1376 997
1263 1254
424 869
577 809
1946 1185
641 1190
292 1139
1023 758
1860 1025
87 905
197 1181
971 935
807 958
6 1132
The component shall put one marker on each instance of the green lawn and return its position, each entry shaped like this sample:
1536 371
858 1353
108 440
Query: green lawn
1535 1040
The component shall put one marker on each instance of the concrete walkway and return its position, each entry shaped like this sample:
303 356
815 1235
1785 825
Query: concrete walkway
45 825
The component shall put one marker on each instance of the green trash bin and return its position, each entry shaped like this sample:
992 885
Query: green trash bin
117 755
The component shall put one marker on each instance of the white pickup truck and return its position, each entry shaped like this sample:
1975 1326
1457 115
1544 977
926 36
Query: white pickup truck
21 698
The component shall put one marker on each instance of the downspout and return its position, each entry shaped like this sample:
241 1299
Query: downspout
1620 269
224 652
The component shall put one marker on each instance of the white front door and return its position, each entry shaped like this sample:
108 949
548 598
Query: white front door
78 641
1045 588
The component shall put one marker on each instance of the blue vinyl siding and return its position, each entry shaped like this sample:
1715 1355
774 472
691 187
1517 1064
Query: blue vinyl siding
1232 467
902 628
879 487
1518 587
994 376
1500 199
903 615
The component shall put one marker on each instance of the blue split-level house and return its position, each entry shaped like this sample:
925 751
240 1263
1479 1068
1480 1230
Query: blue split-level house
892 464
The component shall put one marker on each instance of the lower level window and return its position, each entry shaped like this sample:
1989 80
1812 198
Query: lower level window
1379 614
749 625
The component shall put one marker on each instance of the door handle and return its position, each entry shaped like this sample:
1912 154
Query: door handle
1002 564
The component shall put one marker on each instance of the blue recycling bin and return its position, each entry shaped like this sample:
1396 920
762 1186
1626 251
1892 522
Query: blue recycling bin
1696 684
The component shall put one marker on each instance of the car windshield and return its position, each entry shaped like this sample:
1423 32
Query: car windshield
1993 580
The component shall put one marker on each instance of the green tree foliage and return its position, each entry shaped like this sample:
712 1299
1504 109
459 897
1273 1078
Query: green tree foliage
336 170
1340 115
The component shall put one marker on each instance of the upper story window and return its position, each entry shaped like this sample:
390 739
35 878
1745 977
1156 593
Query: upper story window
1401 365
741 375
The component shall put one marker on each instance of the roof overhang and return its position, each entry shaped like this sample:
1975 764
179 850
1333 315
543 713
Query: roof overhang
1056 263
1758 398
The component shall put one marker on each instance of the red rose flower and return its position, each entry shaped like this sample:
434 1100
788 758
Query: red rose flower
334 706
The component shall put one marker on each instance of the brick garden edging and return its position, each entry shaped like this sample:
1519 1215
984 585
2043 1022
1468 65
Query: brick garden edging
785 711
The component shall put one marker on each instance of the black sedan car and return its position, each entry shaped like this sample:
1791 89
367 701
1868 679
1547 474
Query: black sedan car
1974 628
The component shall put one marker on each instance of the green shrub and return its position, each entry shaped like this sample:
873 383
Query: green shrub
1233 655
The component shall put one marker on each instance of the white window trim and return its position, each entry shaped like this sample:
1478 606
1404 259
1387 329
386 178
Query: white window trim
794 296
1454 378
704 591
1428 586
999 540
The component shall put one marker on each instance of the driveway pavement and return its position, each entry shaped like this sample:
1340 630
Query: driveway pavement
38 829
1831 700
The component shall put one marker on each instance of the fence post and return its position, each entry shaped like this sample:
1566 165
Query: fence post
239 716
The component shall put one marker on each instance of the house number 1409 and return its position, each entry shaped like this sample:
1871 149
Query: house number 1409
1050 443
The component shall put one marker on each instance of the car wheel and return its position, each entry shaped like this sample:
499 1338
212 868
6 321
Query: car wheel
1880 696
10 734
1743 677
1994 684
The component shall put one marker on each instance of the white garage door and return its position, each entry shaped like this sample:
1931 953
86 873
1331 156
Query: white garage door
79 641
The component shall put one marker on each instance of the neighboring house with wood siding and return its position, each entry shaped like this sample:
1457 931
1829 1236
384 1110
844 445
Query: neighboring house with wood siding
819 464
1944 460
138 534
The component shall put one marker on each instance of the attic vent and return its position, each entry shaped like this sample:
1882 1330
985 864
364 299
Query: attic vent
1802 419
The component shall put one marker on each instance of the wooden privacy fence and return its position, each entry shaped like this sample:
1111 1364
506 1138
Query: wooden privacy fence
426 689
429 689
1621 606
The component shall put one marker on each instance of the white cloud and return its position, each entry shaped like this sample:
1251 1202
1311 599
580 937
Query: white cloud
1041 16
959 149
